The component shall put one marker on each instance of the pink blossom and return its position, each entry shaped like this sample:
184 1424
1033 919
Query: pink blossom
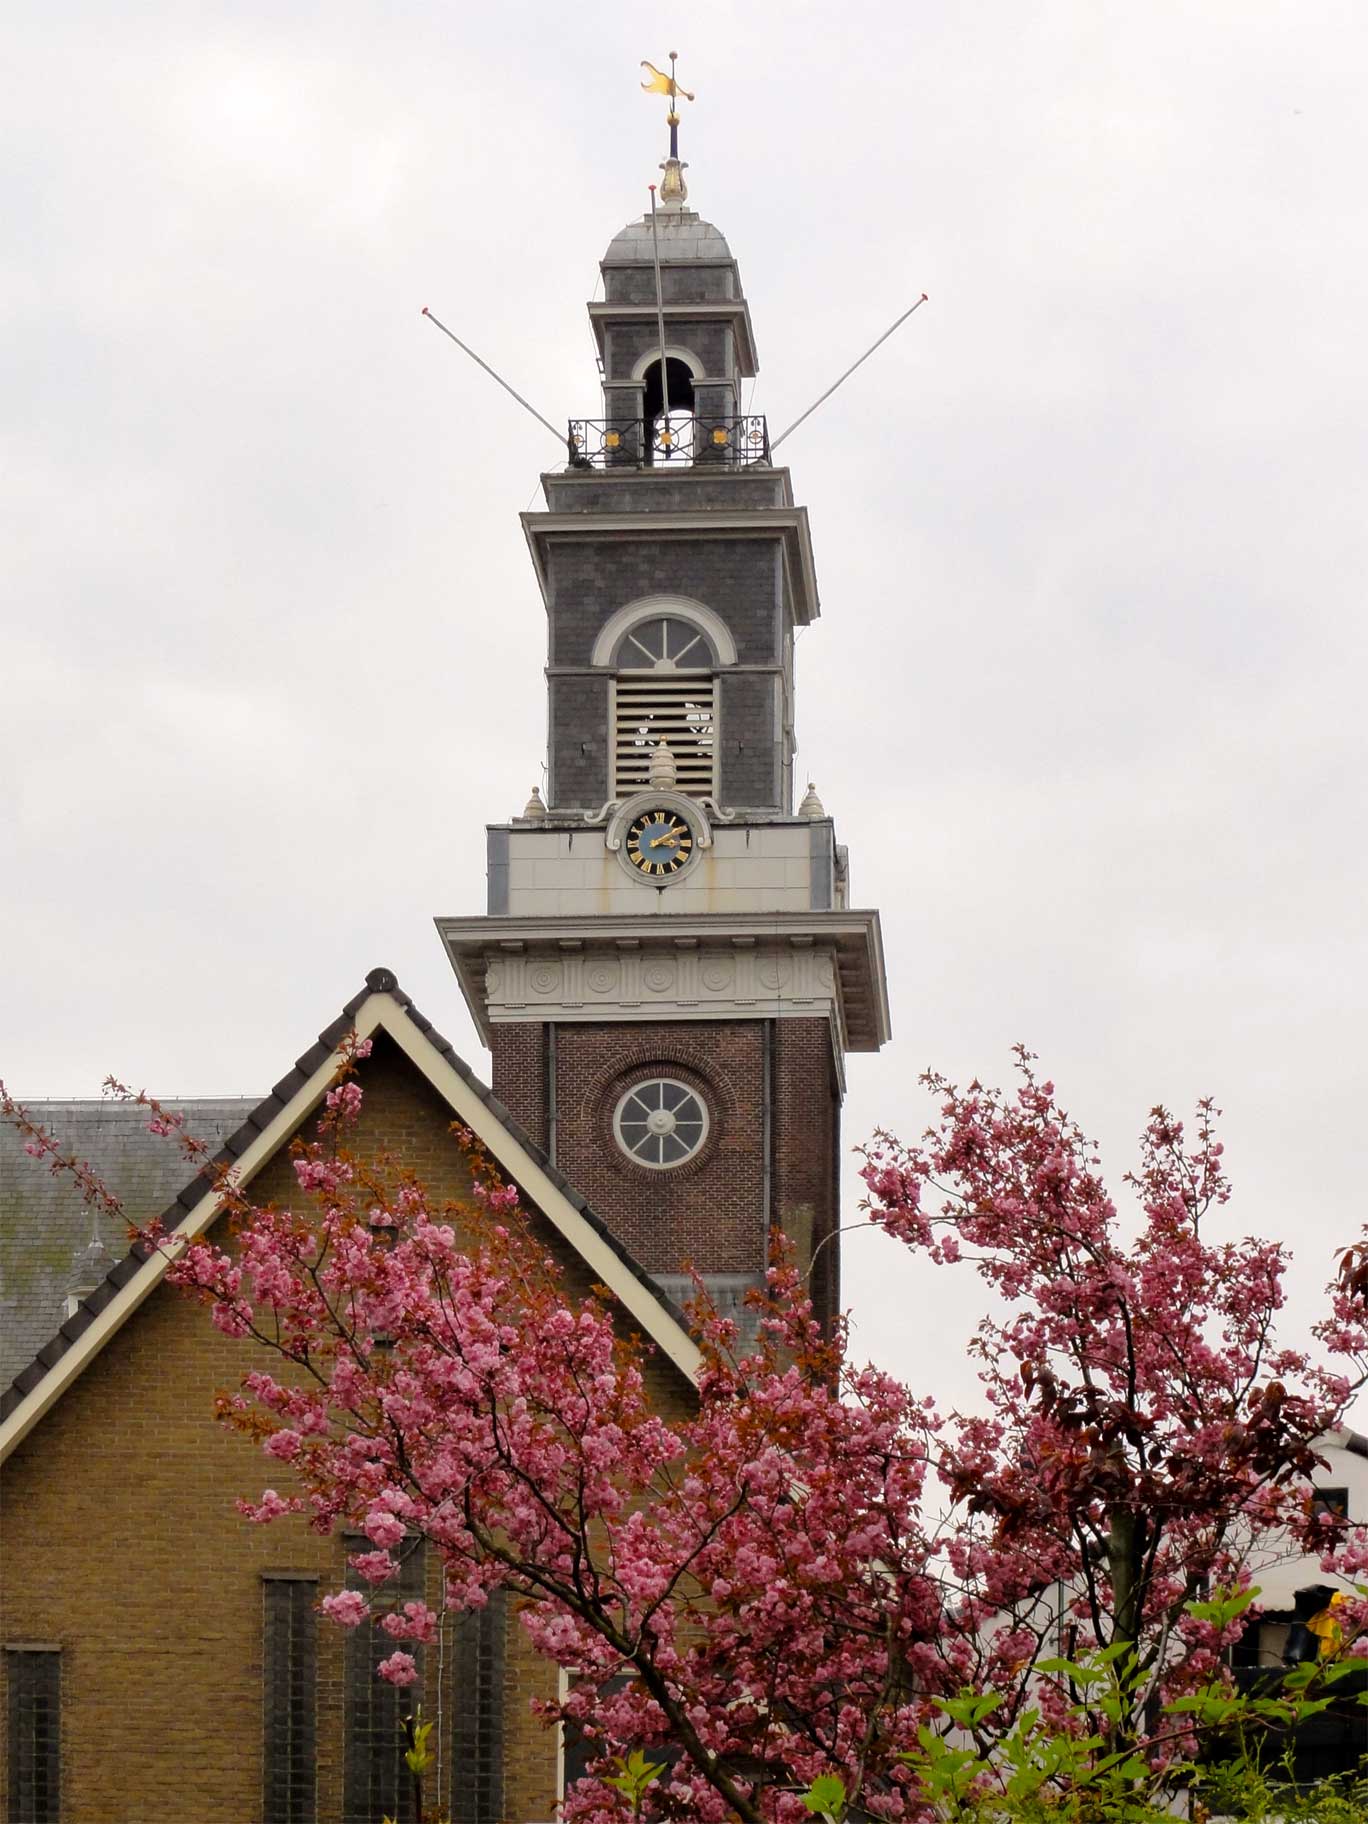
414 1621
344 1102
346 1606
382 1527
399 1669
270 1507
375 1567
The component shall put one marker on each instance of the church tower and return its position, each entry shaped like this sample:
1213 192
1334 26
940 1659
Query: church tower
669 973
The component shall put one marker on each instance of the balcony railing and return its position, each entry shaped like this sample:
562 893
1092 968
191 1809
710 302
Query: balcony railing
680 440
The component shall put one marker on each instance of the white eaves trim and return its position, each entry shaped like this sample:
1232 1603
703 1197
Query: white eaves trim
379 1012
518 1164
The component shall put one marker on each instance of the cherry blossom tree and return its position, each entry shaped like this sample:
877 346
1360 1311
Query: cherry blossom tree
763 1610
1146 1439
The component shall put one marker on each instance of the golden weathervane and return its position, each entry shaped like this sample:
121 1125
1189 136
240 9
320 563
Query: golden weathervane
672 188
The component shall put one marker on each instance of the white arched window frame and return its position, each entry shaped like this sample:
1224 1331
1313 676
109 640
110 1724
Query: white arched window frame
686 355
664 607
654 699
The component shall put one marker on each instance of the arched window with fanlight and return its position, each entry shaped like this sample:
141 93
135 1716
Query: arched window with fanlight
665 690
664 652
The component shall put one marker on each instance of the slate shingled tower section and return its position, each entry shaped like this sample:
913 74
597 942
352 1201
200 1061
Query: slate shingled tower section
730 979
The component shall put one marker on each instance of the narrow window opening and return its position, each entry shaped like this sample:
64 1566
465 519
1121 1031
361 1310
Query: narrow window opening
477 1762
376 1782
1331 1501
34 1681
290 1718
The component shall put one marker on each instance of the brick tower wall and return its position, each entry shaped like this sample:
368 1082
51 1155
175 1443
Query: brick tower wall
709 1212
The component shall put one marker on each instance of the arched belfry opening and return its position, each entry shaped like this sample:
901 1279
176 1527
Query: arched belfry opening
680 377
682 406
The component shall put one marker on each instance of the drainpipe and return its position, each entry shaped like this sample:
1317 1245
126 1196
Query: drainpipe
767 1130
551 1091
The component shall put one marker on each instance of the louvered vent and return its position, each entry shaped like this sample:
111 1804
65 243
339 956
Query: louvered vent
675 707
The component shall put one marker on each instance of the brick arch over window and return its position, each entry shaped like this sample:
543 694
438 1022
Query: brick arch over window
660 1050
717 1095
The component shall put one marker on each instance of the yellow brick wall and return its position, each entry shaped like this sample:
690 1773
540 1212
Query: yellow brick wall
121 1543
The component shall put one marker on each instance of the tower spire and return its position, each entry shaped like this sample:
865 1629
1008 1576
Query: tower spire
673 190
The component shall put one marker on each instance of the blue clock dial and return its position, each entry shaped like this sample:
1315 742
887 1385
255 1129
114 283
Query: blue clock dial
659 843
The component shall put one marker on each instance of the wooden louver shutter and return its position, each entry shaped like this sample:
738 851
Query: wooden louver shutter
675 707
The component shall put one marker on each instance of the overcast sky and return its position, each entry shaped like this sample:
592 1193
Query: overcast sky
1086 695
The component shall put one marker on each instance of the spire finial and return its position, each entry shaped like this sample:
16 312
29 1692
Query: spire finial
673 190
812 804
534 808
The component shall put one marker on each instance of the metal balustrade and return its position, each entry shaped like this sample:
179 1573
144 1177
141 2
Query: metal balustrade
680 439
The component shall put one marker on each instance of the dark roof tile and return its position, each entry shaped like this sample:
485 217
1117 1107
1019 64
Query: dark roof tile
80 1319
318 1053
188 1197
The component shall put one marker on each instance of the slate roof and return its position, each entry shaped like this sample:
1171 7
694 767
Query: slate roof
51 1242
681 234
247 1120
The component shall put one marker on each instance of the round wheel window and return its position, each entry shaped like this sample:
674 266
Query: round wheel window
660 1123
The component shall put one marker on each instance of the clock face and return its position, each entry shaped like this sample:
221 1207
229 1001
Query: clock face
659 843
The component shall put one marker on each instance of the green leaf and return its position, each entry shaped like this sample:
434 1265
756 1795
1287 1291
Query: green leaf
634 1777
418 1758
1223 1608
1070 1666
826 1795
969 1709
1082 1673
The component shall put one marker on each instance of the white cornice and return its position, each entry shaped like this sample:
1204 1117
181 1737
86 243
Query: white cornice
858 998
